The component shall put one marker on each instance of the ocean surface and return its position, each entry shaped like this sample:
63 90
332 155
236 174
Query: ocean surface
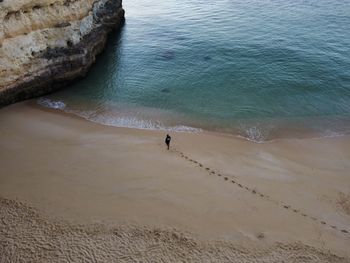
256 69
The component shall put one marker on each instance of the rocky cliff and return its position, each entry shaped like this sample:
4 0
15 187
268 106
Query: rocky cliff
45 44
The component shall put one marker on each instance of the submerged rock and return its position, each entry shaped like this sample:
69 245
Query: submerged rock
45 44
168 55
165 90
207 58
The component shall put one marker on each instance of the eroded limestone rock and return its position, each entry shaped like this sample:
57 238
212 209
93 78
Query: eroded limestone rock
44 44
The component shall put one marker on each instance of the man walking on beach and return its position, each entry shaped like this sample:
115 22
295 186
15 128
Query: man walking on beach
167 140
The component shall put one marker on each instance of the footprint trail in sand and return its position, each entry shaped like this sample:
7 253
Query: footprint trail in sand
255 192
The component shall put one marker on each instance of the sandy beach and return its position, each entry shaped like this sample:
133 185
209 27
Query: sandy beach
72 190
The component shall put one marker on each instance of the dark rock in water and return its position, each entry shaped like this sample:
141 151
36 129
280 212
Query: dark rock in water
207 58
168 55
165 90
180 38
53 67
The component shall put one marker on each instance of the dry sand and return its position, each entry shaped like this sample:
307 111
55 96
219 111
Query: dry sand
105 194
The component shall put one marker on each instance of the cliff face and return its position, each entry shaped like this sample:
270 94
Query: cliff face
44 44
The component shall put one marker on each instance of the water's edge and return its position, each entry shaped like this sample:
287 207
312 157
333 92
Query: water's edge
253 133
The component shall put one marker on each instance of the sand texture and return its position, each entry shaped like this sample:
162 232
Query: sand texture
28 237
87 192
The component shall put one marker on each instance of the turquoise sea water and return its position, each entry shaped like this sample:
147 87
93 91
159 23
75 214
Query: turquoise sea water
257 69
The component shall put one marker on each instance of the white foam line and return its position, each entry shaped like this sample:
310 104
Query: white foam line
253 134
124 122
48 103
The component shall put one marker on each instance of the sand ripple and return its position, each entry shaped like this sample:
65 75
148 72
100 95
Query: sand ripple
27 236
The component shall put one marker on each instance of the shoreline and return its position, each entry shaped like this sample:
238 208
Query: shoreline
291 131
211 185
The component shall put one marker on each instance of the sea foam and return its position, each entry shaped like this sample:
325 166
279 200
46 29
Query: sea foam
49 103
110 119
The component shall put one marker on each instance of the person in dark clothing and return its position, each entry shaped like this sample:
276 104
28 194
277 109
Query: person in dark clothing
167 140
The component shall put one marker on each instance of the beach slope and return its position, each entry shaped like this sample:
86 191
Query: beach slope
75 190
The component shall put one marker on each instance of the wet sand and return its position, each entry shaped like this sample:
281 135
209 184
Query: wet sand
287 199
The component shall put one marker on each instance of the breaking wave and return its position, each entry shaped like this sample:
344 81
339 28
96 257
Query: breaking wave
111 119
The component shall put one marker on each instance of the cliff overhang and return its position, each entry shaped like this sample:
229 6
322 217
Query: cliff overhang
46 44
